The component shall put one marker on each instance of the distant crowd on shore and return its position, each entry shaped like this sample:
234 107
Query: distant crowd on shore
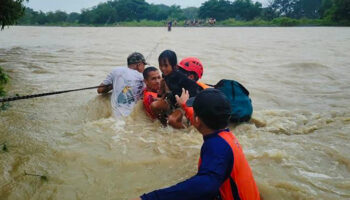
194 22
199 22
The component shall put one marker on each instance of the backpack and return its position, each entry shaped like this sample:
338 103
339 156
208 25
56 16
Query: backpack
238 95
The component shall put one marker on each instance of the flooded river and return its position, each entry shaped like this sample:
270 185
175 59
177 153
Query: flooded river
297 143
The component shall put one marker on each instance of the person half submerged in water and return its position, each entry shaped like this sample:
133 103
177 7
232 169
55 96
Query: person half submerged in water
170 24
126 84
223 171
152 80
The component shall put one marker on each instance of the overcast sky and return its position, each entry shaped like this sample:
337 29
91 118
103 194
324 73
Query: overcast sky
77 5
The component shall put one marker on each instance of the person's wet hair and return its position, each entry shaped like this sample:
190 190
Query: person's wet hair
170 56
147 71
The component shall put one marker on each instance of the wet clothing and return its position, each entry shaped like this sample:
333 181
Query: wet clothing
148 98
176 81
189 110
127 89
223 174
240 184
170 24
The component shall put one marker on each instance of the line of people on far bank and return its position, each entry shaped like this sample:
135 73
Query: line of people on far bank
223 171
195 22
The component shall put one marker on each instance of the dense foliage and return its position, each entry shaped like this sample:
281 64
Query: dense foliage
137 12
111 12
10 12
333 10
224 9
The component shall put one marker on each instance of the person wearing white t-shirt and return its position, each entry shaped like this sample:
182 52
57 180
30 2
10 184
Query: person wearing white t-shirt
126 84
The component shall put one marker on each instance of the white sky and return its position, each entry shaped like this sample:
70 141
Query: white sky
76 5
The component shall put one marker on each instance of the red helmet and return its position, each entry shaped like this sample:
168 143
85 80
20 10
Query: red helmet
192 64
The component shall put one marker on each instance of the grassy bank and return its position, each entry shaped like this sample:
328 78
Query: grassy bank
281 21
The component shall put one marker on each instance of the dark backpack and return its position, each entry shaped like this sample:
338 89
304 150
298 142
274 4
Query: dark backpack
238 95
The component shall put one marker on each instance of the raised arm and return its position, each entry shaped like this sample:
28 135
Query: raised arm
216 160
181 101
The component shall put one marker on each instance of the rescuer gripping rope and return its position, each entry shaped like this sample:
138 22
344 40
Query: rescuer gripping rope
66 91
46 94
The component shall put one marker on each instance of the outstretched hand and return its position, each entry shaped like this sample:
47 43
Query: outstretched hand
183 98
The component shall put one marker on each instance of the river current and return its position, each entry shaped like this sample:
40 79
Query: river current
297 143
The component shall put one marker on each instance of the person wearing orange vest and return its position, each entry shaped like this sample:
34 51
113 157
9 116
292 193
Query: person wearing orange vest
173 82
223 171
192 67
152 80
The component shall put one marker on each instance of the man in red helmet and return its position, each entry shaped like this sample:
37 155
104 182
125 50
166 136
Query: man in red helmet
192 67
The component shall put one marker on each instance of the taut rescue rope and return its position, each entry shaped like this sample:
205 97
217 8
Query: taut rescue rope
47 94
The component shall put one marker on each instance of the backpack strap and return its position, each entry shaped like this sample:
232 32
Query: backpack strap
243 88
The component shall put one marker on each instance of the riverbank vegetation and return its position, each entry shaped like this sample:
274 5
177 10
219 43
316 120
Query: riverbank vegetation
226 13
10 12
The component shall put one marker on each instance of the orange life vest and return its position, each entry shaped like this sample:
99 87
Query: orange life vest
148 97
203 85
240 185
189 110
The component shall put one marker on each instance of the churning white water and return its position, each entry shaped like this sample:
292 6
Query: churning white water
297 143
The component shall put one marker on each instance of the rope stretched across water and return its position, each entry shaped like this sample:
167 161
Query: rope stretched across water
66 91
154 49
47 94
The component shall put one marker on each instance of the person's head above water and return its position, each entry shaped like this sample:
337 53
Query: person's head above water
152 78
136 61
167 62
192 67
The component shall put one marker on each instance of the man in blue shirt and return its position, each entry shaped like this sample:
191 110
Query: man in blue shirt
223 173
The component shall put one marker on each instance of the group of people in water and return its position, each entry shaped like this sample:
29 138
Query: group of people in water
175 96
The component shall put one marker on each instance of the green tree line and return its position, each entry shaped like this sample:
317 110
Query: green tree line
334 12
10 11
111 12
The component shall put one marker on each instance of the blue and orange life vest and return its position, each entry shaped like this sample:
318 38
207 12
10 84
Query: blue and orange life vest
240 185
